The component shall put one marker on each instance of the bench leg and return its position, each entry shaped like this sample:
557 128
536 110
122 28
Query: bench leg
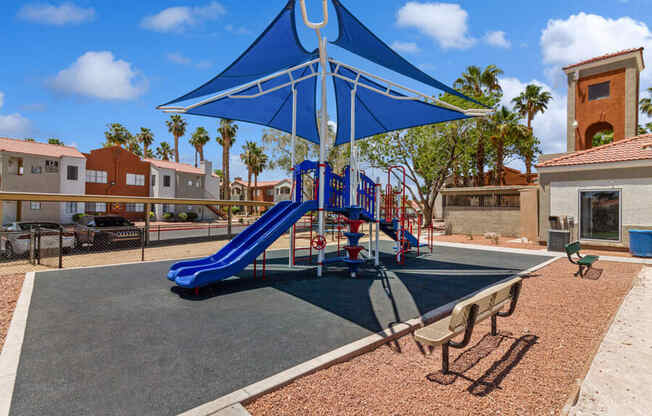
444 358
494 325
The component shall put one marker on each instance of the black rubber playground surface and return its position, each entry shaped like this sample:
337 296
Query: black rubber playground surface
122 340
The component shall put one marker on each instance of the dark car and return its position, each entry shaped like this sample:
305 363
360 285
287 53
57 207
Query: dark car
106 230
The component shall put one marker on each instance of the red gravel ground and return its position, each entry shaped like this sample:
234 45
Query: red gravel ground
528 369
10 287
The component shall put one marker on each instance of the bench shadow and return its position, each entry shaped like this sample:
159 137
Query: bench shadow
500 369
593 274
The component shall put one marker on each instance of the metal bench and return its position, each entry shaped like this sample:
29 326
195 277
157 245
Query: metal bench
581 261
488 303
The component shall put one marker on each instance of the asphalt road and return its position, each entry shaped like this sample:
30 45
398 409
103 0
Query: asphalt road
124 340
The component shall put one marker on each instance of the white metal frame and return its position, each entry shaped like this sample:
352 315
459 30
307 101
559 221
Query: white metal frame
324 73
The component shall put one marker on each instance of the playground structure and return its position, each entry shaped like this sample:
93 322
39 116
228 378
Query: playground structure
366 105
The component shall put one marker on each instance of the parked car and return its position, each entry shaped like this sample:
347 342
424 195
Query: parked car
106 230
15 237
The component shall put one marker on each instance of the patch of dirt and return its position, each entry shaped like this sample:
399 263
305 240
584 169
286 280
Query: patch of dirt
10 287
529 368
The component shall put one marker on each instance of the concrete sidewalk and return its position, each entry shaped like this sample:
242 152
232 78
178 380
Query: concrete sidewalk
620 377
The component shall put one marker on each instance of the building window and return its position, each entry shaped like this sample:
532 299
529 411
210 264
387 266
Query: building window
96 176
135 180
598 91
35 206
71 207
166 181
600 215
134 207
189 183
18 162
198 183
167 207
37 170
153 180
52 166
270 192
96 207
73 173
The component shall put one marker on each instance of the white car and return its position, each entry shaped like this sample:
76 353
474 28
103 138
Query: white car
15 238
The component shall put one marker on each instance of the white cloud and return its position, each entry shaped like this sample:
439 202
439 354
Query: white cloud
181 59
549 127
240 30
444 22
2 99
178 19
56 15
497 38
100 75
15 125
583 36
405 47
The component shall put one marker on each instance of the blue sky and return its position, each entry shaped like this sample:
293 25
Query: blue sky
70 68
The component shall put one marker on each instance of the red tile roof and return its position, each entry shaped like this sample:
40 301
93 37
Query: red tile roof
39 149
179 167
634 148
607 56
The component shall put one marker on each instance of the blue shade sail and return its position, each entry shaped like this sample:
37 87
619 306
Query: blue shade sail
276 49
356 38
273 109
376 113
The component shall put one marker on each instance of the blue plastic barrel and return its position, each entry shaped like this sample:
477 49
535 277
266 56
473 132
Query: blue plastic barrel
640 243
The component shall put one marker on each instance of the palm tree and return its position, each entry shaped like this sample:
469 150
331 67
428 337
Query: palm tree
646 104
164 151
482 85
531 102
117 135
146 138
227 131
177 126
506 129
198 140
134 147
248 157
260 163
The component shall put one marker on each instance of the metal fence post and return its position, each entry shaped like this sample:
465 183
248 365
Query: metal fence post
61 247
143 243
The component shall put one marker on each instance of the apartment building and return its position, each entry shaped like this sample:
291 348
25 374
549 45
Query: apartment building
43 168
116 171
266 191
180 180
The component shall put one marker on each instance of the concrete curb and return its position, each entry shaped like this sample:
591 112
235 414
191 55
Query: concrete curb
544 252
10 356
342 354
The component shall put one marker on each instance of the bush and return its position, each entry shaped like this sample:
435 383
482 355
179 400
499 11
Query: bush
182 216
235 210
192 216
168 215
77 217
152 215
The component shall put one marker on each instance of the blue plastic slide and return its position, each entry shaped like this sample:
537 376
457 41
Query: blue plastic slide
243 249
391 228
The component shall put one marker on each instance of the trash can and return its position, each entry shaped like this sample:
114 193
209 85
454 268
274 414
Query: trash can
640 243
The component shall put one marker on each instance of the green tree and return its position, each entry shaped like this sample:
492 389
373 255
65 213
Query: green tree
248 157
56 142
428 153
164 151
117 135
134 147
507 131
177 127
198 140
146 138
646 104
528 104
29 139
602 137
482 85
227 131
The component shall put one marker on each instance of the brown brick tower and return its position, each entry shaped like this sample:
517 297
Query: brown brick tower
603 95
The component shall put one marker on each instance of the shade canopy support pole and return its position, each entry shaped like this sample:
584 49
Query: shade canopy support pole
353 174
292 163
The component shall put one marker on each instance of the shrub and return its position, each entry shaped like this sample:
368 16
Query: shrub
152 215
77 217
235 210
182 216
241 220
168 215
192 216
